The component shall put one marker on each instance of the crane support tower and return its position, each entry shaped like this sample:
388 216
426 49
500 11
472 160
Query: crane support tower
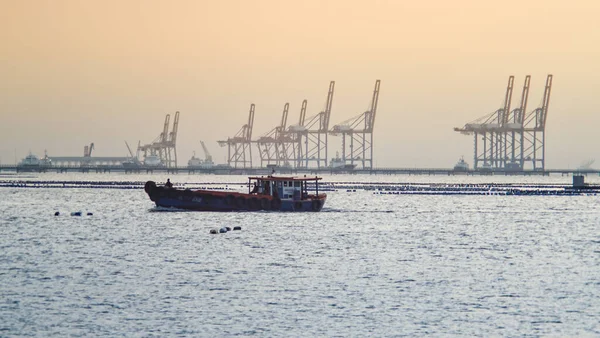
239 147
511 140
270 146
311 135
357 134
165 145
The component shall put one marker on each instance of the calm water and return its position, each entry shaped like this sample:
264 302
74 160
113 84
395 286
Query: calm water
368 265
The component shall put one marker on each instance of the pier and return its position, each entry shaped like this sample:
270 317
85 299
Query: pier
223 170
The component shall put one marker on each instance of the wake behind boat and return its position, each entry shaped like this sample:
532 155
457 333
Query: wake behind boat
268 193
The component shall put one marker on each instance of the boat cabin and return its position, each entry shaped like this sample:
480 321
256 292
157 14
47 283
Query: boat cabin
285 188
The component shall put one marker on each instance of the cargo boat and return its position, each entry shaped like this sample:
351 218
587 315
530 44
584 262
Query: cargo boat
264 193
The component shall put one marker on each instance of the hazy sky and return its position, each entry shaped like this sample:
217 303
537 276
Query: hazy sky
76 72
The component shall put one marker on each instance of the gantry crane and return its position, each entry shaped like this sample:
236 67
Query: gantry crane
359 132
290 140
313 133
490 129
270 147
514 126
164 146
511 139
241 144
534 131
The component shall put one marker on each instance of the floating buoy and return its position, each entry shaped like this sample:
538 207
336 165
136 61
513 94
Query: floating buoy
228 228
77 213
237 228
214 231
223 230
57 213
90 214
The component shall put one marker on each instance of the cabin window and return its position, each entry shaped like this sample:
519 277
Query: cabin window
285 183
297 184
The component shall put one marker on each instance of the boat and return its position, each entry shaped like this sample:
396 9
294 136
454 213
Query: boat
152 161
131 163
337 163
486 167
461 165
268 193
32 161
195 162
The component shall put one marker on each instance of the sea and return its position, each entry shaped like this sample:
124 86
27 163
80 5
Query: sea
367 265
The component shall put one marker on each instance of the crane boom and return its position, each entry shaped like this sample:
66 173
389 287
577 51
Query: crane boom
524 97
302 113
284 116
250 124
165 133
373 110
207 156
328 105
173 134
130 152
546 101
507 100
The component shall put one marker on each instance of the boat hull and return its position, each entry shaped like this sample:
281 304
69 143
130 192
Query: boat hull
207 200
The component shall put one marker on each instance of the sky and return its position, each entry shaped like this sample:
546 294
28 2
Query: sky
77 72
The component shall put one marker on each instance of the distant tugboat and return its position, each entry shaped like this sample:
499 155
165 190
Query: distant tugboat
461 166
268 193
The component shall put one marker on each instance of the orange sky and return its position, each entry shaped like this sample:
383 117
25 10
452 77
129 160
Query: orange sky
75 72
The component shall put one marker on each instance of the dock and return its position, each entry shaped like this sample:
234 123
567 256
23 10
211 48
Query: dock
223 170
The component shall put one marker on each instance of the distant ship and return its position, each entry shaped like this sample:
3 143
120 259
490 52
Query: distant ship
196 162
153 161
486 167
461 165
339 164
33 161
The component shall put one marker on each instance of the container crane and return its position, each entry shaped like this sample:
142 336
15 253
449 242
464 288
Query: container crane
359 132
291 139
512 139
314 134
270 147
239 147
491 130
164 146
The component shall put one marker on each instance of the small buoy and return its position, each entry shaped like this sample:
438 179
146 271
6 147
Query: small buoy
214 231
57 213
77 213
228 228
237 228
90 214
223 230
